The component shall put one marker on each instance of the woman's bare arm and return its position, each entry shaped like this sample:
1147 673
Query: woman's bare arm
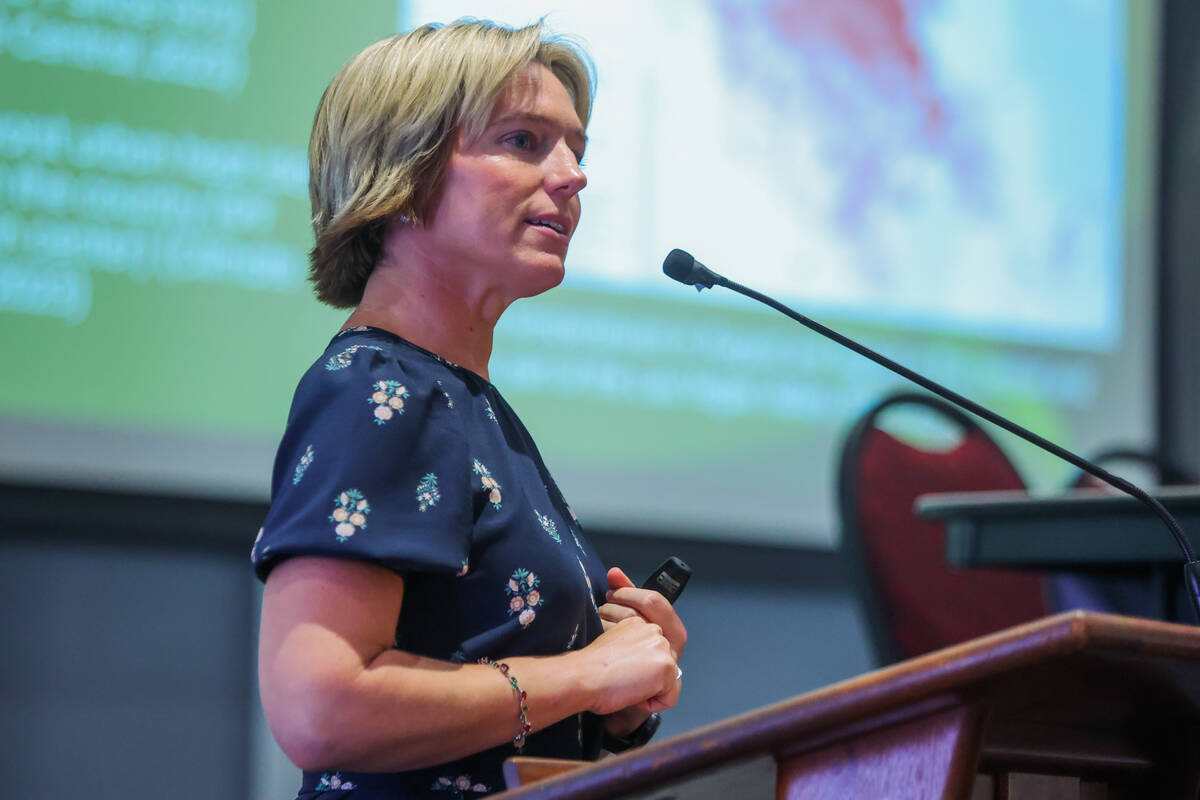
338 696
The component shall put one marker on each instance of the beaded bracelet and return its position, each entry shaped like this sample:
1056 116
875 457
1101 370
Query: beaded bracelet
519 739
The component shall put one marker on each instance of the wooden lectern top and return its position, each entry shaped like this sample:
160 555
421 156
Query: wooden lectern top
1104 697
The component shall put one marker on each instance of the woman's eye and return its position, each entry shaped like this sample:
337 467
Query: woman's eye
522 140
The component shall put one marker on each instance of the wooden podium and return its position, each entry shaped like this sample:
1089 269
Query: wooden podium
1078 705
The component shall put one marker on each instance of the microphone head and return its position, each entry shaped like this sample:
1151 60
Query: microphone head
681 266
678 265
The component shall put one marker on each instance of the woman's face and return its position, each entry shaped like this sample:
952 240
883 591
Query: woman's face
510 199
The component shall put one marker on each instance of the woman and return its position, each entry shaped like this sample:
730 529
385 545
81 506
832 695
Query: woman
431 604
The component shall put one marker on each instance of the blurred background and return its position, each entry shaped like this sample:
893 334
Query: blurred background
997 194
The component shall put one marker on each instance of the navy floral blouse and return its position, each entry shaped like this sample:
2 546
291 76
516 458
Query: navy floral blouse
395 456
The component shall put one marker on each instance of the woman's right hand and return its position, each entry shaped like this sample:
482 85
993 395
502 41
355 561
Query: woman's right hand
631 663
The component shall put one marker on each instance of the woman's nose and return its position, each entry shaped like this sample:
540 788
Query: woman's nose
563 173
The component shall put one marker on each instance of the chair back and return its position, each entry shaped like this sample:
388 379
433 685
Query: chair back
1163 470
912 601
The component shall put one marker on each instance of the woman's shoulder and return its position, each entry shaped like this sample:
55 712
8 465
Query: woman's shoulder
369 381
373 348
373 445
388 366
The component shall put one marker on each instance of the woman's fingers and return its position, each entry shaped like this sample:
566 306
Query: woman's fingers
617 579
667 699
655 608
611 612
634 664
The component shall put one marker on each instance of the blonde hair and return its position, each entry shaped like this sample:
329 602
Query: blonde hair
386 125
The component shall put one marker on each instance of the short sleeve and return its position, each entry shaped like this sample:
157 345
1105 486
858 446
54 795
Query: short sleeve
373 466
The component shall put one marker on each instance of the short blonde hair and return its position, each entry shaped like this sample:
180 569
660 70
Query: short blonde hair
386 125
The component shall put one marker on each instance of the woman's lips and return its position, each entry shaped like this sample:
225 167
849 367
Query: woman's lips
551 233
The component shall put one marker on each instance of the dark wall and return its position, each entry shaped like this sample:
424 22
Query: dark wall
1179 236
125 655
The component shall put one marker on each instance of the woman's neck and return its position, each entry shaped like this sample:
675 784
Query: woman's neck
437 316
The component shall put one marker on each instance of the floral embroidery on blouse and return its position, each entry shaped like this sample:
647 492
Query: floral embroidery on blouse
350 513
445 394
343 359
489 483
427 492
464 568
588 581
573 523
548 525
334 782
458 787
487 409
523 596
388 399
574 636
302 466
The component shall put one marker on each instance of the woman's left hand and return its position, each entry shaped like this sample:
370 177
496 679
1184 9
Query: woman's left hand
625 599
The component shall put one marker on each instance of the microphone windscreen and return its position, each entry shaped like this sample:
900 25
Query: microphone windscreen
678 266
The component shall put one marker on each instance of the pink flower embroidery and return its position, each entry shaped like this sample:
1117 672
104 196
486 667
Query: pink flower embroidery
489 484
523 595
349 513
388 399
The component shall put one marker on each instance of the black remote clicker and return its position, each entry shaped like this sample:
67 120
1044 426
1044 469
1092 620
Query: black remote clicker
669 579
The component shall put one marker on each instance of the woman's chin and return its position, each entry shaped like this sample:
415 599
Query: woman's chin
544 278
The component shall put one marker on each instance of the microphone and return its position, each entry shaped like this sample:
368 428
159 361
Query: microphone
680 265
683 267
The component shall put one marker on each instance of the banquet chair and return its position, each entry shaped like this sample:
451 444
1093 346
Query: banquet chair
911 600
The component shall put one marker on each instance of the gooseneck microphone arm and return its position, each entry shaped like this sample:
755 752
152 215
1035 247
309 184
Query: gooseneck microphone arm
681 266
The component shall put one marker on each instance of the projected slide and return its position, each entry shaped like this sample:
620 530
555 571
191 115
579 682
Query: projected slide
154 207
966 185
83 196
912 162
